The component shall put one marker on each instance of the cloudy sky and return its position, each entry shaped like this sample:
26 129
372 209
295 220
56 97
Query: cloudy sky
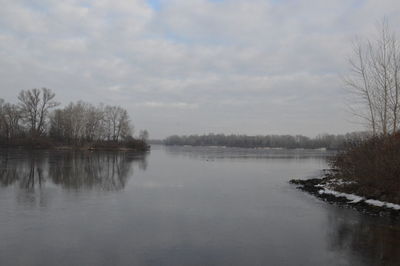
192 66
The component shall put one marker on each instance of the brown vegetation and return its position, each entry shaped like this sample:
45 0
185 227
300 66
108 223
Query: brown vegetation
372 166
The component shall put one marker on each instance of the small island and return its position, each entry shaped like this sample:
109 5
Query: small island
35 123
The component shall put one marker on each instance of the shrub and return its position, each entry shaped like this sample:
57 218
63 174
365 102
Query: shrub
373 165
137 144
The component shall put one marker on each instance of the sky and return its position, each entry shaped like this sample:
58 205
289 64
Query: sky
193 66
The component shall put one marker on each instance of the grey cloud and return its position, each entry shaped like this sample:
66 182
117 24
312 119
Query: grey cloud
239 66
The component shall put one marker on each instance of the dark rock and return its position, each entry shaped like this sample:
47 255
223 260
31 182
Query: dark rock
312 186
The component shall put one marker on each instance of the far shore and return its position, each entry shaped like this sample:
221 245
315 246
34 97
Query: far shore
248 147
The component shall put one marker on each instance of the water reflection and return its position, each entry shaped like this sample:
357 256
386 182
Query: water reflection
367 240
71 170
180 211
212 153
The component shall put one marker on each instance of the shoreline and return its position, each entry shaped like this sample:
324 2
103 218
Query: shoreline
322 189
77 148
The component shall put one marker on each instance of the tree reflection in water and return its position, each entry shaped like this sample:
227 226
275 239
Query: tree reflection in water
368 240
71 170
213 153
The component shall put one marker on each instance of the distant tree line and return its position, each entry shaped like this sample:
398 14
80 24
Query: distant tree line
327 141
35 119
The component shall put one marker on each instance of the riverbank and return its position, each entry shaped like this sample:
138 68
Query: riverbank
365 175
322 141
329 189
48 144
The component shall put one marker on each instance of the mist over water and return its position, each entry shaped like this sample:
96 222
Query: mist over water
179 206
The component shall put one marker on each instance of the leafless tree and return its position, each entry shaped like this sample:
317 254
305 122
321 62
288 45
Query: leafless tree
395 91
124 129
374 79
58 125
82 122
11 119
34 106
94 122
144 135
2 120
1 117
77 123
117 122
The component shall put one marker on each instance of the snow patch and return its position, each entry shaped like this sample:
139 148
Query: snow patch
393 206
355 199
351 197
375 203
338 182
379 203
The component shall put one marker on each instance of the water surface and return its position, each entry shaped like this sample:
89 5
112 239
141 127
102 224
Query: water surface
179 206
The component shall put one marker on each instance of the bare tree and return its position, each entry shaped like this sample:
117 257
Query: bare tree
34 106
124 129
94 122
11 118
58 125
374 79
144 135
82 122
1 117
3 128
117 122
395 92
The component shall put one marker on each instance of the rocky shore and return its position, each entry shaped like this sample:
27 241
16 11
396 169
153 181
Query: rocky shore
324 188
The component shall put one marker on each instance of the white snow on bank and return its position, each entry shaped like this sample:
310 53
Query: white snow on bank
355 199
375 203
392 205
338 182
383 204
351 197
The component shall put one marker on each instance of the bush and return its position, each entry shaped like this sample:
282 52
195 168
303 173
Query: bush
134 144
373 166
137 144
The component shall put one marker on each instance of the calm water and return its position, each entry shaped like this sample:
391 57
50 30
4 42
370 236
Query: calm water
179 206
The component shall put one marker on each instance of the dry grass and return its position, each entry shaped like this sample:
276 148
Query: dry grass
373 165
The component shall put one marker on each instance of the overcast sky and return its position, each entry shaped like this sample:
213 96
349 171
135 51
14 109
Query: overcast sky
192 66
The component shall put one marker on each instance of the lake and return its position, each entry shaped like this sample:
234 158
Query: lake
179 206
